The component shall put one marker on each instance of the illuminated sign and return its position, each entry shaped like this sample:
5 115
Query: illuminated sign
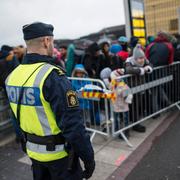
137 20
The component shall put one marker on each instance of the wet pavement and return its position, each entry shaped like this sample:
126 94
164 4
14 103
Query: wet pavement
162 162
110 155
10 167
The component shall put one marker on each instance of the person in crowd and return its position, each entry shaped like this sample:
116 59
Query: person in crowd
106 57
57 58
85 105
105 76
19 52
116 62
63 51
138 65
177 49
47 111
132 44
92 60
8 62
150 39
123 54
70 60
160 52
122 100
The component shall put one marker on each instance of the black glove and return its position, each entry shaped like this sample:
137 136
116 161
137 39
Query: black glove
89 169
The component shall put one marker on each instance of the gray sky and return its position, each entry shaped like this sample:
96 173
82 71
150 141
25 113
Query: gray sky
71 18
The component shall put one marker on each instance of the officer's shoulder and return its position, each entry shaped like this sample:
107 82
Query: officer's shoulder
59 71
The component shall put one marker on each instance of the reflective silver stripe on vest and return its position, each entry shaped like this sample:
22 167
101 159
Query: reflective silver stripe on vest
40 109
42 148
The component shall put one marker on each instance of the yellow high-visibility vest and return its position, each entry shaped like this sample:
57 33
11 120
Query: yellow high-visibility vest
36 116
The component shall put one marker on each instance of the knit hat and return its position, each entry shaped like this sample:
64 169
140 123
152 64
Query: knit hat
123 39
6 48
105 73
37 29
115 48
4 52
138 52
105 76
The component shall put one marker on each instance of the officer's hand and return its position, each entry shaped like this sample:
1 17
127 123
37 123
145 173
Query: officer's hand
89 169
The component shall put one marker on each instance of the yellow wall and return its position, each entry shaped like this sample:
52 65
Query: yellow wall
159 13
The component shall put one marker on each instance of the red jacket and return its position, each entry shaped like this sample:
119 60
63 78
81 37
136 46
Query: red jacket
123 55
160 52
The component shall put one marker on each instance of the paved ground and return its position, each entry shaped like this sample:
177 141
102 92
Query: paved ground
110 155
157 158
162 162
10 167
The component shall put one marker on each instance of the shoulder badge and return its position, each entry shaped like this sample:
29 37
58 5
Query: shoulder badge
60 72
72 100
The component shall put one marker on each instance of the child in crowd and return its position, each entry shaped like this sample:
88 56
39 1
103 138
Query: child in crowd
122 100
137 64
105 76
116 61
123 54
85 105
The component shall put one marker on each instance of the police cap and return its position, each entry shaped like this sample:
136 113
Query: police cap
37 29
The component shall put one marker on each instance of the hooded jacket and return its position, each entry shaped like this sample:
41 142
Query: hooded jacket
160 52
78 84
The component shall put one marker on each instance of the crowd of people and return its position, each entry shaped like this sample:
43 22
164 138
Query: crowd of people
160 50
104 60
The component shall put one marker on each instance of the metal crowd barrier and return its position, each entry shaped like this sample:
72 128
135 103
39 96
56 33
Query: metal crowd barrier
95 110
152 94
5 111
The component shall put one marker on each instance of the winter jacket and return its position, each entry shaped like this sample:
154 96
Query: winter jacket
70 60
78 84
123 55
132 67
7 64
160 52
123 97
177 53
91 61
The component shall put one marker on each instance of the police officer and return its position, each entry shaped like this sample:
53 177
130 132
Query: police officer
48 113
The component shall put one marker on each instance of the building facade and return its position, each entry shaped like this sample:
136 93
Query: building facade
162 15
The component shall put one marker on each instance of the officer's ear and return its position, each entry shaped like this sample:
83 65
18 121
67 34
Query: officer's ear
46 41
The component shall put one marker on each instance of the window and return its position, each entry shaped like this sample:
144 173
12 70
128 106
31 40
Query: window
173 25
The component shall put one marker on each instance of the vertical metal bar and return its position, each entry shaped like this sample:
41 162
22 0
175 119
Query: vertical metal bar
112 119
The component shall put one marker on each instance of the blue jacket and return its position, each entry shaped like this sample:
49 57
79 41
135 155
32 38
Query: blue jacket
68 119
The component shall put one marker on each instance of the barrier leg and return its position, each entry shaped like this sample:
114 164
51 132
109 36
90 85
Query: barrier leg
178 106
92 136
125 139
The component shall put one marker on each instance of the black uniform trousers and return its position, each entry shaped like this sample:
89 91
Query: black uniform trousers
56 170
